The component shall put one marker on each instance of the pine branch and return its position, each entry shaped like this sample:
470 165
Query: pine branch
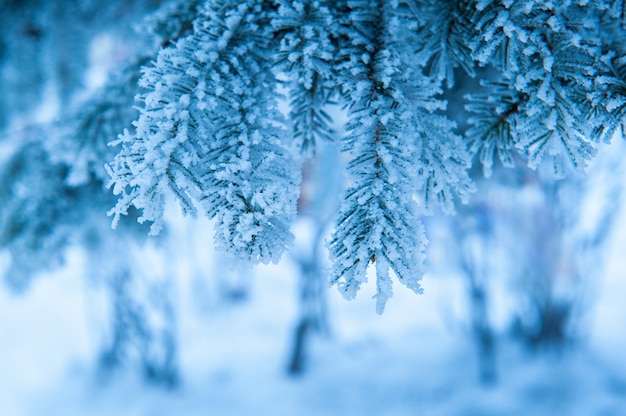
443 165
377 221
81 140
39 211
442 28
208 123
493 124
544 58
306 55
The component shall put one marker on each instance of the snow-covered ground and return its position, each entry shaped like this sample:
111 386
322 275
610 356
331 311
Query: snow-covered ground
415 359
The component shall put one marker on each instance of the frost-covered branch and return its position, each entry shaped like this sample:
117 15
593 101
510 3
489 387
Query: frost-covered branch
306 55
210 132
543 54
378 222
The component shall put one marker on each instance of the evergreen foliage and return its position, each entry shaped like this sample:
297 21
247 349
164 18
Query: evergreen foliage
548 81
54 197
215 83
209 130
35 223
306 54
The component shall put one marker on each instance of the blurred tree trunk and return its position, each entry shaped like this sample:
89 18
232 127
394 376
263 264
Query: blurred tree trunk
318 201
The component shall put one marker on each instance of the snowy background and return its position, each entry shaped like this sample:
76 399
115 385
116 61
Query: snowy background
235 329
417 358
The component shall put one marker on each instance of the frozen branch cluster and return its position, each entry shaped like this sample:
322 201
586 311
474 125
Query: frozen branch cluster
552 84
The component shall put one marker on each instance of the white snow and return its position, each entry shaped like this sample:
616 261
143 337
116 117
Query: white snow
414 359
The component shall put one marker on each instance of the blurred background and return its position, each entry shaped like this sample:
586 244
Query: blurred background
523 311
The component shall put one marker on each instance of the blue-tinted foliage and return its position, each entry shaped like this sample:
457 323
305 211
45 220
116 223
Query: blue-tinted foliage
209 130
